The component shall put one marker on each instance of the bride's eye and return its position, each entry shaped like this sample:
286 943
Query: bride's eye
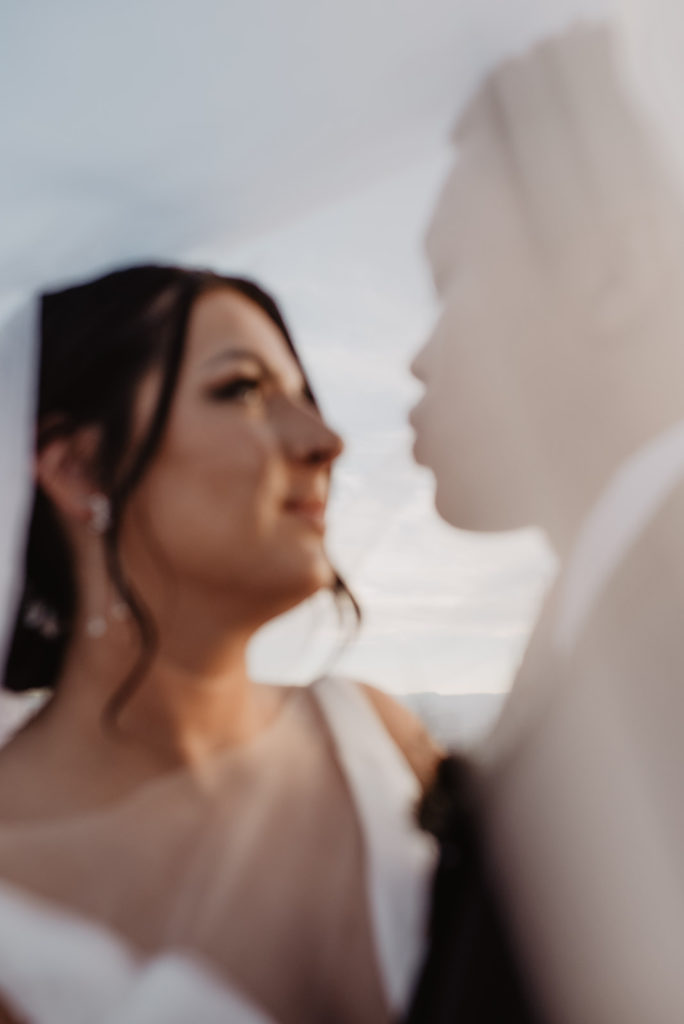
237 389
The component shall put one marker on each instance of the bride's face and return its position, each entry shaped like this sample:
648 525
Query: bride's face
485 366
232 507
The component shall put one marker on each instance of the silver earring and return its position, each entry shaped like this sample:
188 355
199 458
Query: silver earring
42 619
120 611
100 513
96 626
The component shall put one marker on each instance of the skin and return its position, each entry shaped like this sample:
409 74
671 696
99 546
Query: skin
225 531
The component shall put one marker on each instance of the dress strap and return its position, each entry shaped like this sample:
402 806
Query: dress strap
400 856
632 498
59 968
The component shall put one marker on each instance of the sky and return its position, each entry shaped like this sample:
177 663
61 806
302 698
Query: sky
444 610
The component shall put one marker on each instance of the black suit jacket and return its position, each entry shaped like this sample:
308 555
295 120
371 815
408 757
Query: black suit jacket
470 974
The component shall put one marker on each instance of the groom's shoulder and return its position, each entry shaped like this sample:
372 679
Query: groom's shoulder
408 732
638 619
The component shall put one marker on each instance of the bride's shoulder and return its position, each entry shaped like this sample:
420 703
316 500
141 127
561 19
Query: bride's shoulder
408 732
28 779
19 780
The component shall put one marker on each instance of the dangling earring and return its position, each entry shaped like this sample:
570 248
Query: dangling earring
100 513
120 611
97 625
42 619
100 521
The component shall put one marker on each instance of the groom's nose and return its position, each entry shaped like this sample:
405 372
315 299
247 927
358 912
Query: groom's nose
420 365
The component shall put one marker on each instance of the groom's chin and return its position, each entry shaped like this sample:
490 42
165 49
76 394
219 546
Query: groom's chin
447 501
450 509
474 513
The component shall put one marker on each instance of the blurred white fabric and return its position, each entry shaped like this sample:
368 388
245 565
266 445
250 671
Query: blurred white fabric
18 362
134 130
88 976
654 30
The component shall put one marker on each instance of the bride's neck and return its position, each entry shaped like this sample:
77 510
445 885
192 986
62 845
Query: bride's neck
187 704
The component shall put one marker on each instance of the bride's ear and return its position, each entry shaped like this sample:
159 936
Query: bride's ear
64 471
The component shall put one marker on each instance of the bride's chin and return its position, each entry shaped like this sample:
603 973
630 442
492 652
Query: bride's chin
318 575
322 578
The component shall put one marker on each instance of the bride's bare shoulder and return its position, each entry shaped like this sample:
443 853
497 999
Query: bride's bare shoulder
419 748
27 775
19 775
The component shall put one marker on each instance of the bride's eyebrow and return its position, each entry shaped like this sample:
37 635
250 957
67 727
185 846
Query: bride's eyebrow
234 355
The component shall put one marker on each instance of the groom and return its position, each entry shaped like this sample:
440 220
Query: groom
554 396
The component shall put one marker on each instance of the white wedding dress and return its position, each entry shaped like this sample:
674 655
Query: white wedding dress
61 967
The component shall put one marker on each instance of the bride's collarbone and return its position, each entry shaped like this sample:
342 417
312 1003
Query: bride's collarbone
42 781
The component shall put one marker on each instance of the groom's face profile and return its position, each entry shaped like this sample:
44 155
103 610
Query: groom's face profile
485 367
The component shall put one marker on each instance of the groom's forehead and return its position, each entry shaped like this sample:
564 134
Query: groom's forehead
473 204
444 235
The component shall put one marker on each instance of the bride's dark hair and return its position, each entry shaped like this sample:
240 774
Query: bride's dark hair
98 341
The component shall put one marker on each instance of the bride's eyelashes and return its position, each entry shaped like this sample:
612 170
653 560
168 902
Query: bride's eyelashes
236 389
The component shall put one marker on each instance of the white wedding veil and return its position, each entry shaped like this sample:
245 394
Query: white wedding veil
137 132
141 130
18 365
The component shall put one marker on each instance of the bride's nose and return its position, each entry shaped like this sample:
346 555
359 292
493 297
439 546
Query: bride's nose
305 436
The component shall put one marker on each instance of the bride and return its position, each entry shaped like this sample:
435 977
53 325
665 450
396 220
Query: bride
164 816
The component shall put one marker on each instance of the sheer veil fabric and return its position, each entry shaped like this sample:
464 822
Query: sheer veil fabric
103 168
582 776
91 186
18 368
126 140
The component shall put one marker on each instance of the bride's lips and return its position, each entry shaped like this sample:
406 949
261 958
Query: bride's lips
310 510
